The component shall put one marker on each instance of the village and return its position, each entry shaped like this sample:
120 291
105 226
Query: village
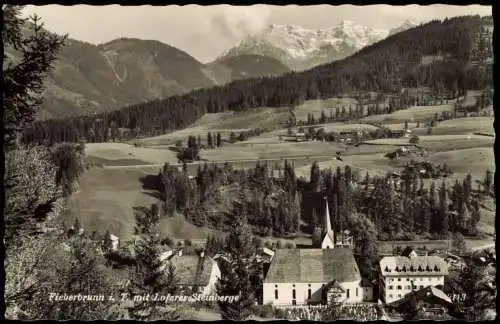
302 282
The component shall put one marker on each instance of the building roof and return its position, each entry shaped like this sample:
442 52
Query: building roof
425 293
313 265
407 251
418 265
192 270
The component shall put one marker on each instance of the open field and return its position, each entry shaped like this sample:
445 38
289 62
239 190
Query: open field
276 150
401 126
224 123
413 114
440 142
471 160
461 126
317 106
127 154
344 127
106 200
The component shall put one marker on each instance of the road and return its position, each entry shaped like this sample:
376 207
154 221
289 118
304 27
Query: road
483 247
235 162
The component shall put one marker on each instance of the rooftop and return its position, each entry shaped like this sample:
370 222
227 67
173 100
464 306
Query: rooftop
418 265
313 265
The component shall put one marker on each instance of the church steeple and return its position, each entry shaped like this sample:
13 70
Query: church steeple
328 225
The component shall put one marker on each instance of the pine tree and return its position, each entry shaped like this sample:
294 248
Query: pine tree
488 181
236 275
148 276
315 179
107 243
443 210
209 140
219 140
23 83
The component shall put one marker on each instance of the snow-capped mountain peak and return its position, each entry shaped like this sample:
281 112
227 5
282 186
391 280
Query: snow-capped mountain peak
293 44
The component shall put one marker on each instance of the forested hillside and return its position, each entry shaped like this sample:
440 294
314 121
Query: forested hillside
448 56
244 67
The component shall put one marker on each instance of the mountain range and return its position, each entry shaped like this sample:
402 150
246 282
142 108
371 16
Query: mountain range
301 49
447 57
91 78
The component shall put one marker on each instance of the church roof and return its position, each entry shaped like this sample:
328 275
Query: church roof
313 265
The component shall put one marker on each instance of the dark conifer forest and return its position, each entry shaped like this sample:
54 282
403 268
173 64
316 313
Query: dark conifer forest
456 46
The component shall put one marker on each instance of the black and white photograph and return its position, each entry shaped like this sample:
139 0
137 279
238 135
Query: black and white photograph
248 162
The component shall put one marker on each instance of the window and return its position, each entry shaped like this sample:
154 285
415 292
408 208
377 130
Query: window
275 293
390 295
293 294
408 287
356 292
399 287
309 293
399 279
399 295
421 286
391 287
348 293
407 279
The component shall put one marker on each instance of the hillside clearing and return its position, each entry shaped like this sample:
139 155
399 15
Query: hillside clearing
106 200
461 126
124 152
413 114
316 107
440 142
224 123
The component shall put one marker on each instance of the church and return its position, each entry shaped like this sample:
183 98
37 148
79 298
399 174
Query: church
315 275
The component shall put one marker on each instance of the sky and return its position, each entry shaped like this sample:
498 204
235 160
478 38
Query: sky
205 32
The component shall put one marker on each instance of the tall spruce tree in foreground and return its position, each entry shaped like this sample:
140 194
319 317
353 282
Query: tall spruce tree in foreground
151 276
23 82
237 274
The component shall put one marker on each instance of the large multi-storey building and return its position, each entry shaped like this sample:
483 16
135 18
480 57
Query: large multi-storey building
400 275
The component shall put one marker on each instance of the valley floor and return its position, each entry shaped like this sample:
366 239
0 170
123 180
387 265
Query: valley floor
108 195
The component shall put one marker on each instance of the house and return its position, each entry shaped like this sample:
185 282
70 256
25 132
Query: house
400 275
115 242
429 300
195 273
400 133
409 252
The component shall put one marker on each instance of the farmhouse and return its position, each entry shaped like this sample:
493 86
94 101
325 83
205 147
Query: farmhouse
429 300
400 275
400 133
195 273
